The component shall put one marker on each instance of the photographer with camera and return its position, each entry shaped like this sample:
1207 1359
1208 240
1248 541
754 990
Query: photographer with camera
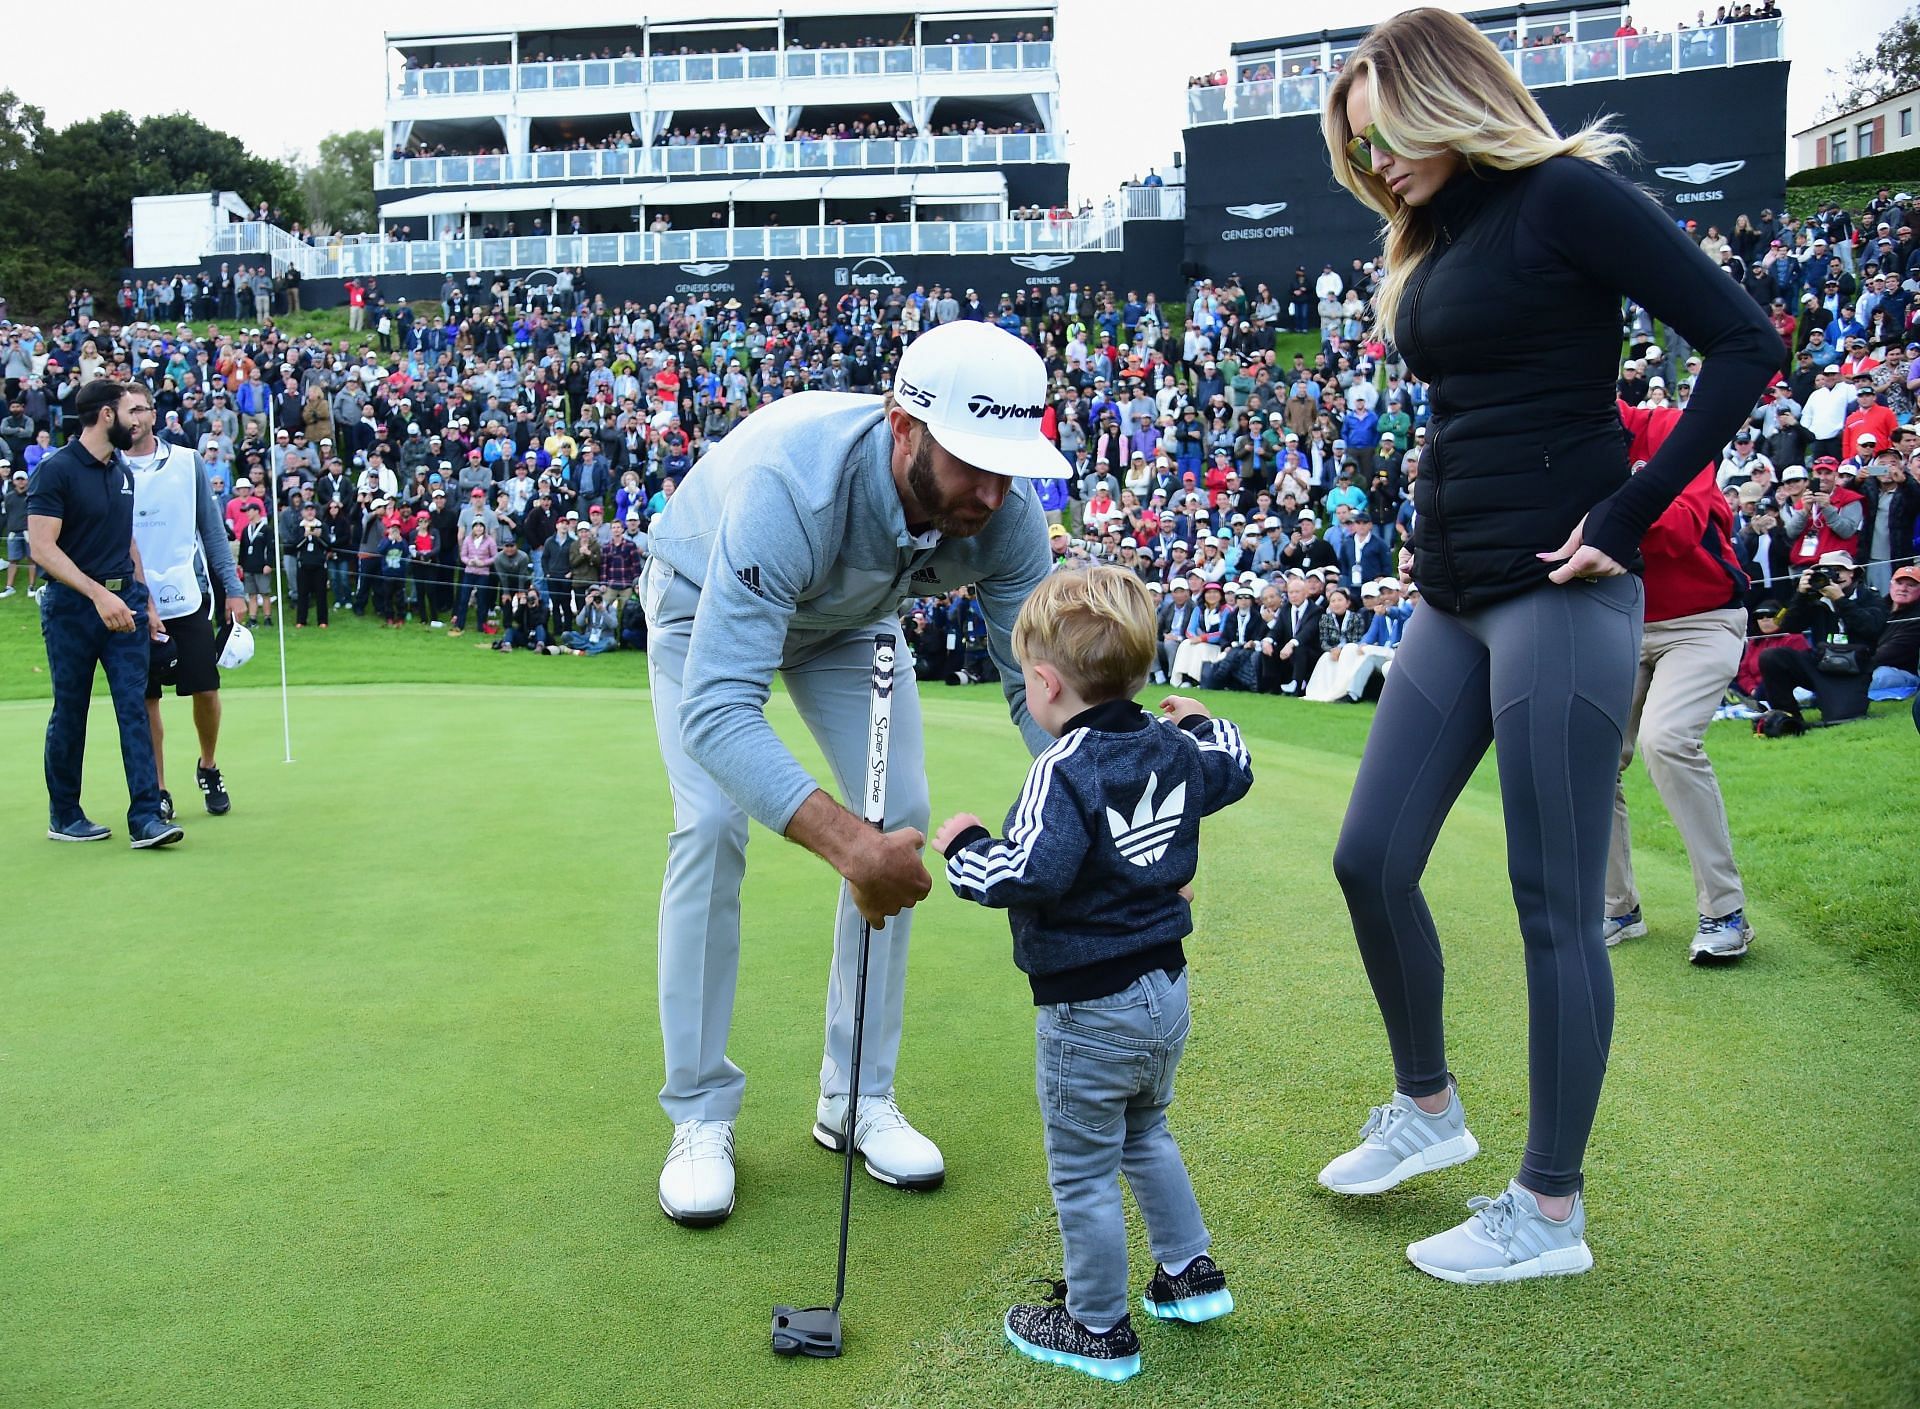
1843 618
309 555
594 628
523 622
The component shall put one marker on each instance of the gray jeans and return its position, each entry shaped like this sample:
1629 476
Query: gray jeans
1105 1076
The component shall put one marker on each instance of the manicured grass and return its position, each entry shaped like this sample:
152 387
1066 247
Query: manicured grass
349 1099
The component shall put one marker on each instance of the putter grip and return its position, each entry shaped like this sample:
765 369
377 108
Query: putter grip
879 730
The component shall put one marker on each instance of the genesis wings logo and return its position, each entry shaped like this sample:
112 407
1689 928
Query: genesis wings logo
1700 173
986 408
1258 211
1144 839
705 270
1041 263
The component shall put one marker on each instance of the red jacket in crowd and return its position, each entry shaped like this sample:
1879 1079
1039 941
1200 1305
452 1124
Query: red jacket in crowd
1690 562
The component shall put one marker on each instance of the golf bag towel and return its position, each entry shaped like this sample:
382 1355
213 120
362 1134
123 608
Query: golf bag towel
1103 836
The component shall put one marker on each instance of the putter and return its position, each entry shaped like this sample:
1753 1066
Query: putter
815 1330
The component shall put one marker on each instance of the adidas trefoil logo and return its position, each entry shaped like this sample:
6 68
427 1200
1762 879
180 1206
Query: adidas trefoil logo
1145 839
750 579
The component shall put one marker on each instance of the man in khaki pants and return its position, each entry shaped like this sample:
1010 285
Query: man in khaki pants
1695 628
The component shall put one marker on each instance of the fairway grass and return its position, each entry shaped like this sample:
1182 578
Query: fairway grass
349 1100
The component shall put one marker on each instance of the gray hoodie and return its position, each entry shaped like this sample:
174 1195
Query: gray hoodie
793 532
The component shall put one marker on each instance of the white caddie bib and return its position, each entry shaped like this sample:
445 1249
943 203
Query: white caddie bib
166 526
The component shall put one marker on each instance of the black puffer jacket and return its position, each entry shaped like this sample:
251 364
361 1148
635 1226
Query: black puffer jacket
1513 319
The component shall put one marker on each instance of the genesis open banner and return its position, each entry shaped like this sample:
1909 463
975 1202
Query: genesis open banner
1261 199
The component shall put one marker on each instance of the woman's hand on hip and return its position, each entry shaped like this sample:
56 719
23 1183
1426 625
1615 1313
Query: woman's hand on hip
1578 560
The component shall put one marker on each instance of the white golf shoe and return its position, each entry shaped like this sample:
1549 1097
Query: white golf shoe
696 1185
895 1153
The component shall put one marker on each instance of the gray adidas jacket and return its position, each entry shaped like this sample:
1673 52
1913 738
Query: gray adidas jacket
793 532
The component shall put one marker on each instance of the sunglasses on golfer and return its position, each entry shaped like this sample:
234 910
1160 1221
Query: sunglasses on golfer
1361 149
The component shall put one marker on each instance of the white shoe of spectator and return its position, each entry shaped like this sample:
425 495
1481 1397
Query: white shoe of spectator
696 1186
895 1153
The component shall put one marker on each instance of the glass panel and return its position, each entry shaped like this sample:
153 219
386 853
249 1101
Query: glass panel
457 171
530 252
1703 48
898 60
713 159
437 82
497 79
666 70
699 68
971 237
618 162
710 244
970 58
566 75
936 237
937 58
846 155
466 80
1300 95
800 63
1649 53
581 163
814 155
1004 56
730 66
629 72
866 61
1016 146
496 254
680 160
782 243
567 248
1543 67
1597 58
857 239
763 65
1756 40
409 83
1253 100
533 76
881 153
749 242
673 245
896 239
635 248
1206 105
603 249
1036 55
823 239
393 258
834 63
598 74
981 147
948 150
549 166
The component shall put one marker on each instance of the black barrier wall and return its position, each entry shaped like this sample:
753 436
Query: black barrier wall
1261 199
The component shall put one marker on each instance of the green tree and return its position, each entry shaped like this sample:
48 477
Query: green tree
1891 66
337 187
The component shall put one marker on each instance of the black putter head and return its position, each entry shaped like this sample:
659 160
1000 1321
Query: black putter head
812 1330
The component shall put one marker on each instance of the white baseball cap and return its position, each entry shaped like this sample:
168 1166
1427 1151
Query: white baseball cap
980 392
239 648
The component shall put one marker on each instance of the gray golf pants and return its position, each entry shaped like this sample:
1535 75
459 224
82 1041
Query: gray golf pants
830 682
1104 1071
1547 678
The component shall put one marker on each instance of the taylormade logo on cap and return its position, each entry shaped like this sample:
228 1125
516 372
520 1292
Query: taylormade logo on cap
981 393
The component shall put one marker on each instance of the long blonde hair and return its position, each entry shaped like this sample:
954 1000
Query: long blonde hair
1437 84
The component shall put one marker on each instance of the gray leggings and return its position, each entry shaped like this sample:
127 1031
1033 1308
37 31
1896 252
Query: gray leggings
1547 678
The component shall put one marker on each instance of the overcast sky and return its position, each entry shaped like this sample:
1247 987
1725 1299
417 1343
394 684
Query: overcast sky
1123 63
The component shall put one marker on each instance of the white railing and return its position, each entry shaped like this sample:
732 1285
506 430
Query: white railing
1155 202
339 258
1580 61
636 71
721 159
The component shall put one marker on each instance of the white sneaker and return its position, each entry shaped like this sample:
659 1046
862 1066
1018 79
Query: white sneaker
7 593
1398 1141
1507 1239
895 1153
696 1185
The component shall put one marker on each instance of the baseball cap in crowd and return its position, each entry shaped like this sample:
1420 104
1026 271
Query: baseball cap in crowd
1057 531
1751 493
1793 472
980 392
1909 573
1826 462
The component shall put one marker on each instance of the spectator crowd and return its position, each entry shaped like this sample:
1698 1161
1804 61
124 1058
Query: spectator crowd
499 458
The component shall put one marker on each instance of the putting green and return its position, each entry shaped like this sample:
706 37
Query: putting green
350 1100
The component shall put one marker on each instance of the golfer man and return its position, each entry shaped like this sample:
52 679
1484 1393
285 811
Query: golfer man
183 543
93 612
789 548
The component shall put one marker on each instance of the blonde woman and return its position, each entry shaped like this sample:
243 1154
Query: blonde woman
1527 532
